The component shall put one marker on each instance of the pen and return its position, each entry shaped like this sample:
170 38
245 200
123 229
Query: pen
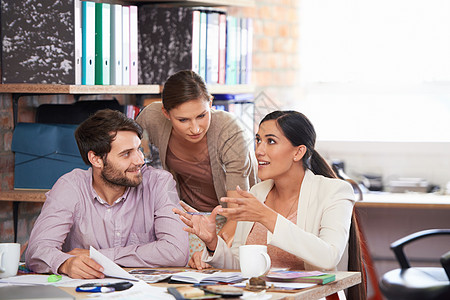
95 289
104 287
192 213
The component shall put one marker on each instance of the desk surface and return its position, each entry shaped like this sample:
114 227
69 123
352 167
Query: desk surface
343 281
398 200
405 200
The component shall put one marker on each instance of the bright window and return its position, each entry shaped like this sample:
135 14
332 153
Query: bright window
376 70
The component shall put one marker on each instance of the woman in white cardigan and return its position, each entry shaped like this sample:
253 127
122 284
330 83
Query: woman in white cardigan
299 210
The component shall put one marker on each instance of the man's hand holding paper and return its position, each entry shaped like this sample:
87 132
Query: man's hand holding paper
81 266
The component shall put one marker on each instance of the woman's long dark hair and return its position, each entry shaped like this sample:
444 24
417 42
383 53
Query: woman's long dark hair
299 130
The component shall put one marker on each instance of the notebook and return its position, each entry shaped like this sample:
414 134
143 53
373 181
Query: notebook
206 277
35 292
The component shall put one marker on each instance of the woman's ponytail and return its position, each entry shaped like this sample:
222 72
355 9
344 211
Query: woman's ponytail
319 165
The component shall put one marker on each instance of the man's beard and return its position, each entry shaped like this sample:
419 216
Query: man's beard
114 177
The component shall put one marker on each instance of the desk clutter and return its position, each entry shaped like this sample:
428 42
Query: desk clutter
158 283
196 284
200 285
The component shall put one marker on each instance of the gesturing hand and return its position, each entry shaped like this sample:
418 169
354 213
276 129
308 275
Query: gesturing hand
248 208
196 261
203 226
81 266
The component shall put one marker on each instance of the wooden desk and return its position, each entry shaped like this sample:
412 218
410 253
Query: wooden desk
387 217
343 281
18 196
405 200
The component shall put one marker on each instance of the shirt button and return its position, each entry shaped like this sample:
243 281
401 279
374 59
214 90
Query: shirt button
118 233
108 210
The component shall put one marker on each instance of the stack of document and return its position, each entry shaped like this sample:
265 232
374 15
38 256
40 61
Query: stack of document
205 278
152 275
300 276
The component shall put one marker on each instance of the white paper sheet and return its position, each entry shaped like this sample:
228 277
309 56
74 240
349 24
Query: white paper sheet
139 291
111 269
33 279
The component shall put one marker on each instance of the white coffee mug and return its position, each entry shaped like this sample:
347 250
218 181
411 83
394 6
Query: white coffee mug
9 259
254 260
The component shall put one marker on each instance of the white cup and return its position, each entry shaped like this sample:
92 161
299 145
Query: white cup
9 259
254 260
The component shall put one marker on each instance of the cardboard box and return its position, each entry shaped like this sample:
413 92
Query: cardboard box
43 153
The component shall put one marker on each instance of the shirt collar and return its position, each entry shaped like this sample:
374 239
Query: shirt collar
103 202
96 197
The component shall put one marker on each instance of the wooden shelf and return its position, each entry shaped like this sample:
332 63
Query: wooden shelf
23 195
22 88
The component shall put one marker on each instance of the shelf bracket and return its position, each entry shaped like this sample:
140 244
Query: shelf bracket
15 98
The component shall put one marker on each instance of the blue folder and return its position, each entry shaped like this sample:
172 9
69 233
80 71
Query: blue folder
43 153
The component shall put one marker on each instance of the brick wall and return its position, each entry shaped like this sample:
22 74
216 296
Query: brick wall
275 50
275 73
28 212
6 166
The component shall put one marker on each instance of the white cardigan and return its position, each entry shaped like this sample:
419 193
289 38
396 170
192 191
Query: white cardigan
320 236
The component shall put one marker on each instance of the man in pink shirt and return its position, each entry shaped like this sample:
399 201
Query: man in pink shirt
119 206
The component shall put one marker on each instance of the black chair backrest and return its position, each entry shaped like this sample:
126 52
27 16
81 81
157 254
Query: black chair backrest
398 245
445 261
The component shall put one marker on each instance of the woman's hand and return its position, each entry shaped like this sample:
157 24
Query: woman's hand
203 226
229 228
248 208
196 261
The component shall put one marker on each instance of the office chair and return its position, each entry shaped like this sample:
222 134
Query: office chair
411 283
369 272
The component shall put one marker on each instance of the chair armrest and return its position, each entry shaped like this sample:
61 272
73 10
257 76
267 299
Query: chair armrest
398 245
445 261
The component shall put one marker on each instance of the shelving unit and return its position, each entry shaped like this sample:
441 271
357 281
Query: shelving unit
22 89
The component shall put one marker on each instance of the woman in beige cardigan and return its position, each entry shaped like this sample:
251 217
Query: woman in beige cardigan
208 152
299 210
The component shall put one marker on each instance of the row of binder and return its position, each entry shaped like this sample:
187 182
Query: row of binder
222 47
85 42
109 41
216 46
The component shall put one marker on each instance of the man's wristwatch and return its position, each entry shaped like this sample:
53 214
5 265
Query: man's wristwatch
209 250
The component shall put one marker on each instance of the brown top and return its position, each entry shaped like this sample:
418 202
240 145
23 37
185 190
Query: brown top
279 258
195 181
230 148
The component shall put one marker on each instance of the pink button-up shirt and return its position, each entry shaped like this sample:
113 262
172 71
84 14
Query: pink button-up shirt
138 230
